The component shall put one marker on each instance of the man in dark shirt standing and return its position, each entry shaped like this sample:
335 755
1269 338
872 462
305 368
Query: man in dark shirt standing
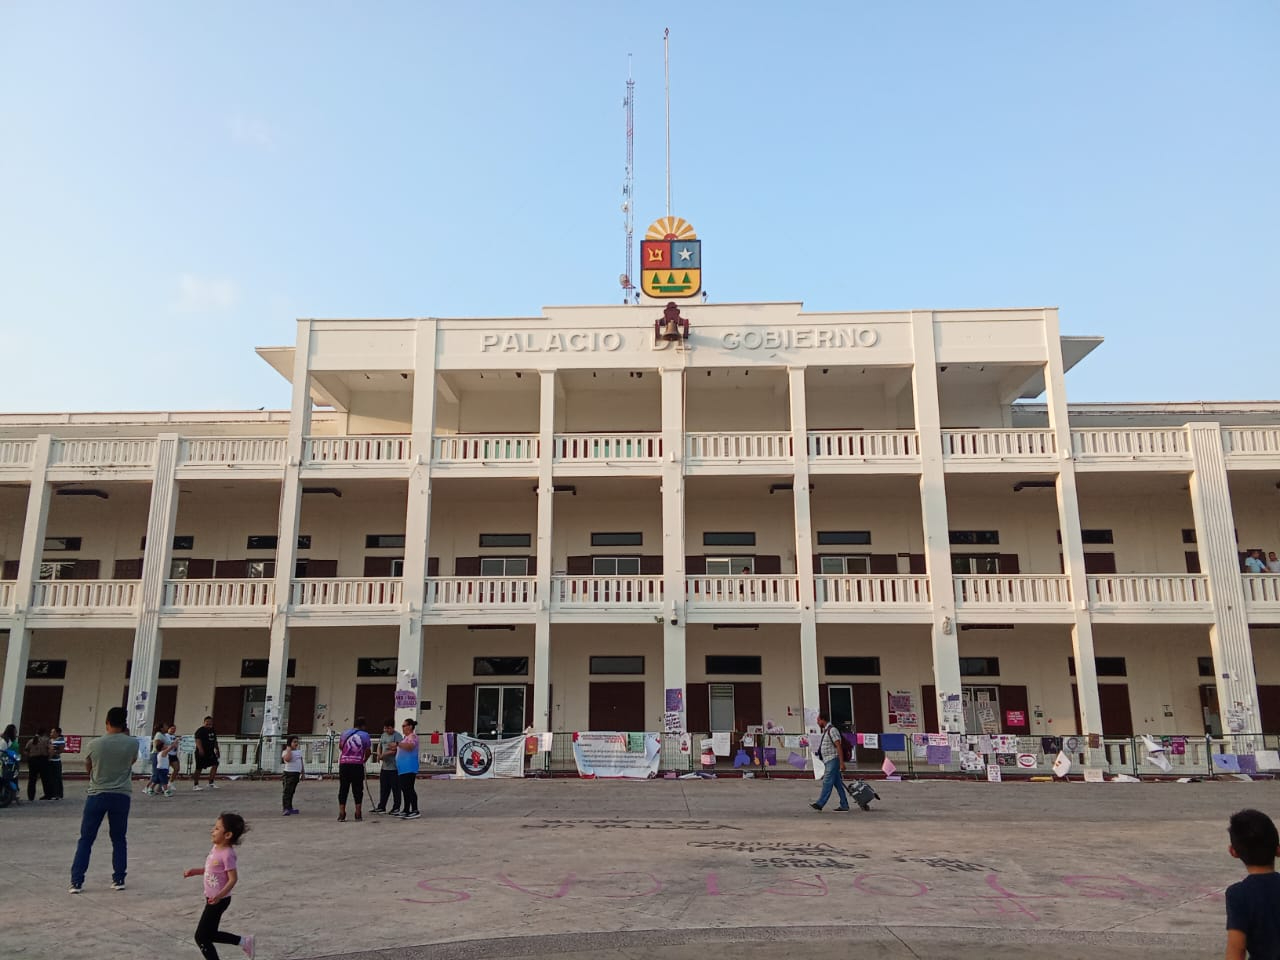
1253 904
206 754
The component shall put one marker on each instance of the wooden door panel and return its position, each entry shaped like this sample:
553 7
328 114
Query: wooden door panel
41 710
616 705
227 704
302 711
375 702
868 717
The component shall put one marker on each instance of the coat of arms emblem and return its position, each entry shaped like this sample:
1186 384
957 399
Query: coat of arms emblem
671 260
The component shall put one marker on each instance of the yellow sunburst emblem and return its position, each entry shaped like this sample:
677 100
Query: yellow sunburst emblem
671 260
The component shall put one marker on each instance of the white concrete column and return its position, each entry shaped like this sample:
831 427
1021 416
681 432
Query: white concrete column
29 556
157 555
674 652
933 507
804 540
274 717
1072 541
546 517
417 528
1229 640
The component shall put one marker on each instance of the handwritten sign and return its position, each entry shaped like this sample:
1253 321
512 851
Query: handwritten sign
73 744
993 773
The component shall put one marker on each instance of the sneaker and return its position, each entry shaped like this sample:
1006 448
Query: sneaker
247 944
286 813
342 818
411 816
816 805
117 885
395 811
147 790
196 787
294 813
75 888
378 810
213 786
842 809
359 818
169 792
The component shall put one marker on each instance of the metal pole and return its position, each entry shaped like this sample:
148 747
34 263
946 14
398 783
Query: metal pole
666 70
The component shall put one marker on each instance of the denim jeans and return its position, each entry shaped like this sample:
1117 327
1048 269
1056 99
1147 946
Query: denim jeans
832 779
115 807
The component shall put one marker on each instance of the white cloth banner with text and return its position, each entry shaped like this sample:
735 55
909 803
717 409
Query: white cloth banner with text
486 759
601 754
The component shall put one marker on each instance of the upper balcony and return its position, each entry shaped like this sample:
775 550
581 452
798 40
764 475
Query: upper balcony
982 450
1019 598
1262 596
1251 448
1179 598
873 597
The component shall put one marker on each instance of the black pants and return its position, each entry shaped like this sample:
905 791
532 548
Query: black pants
207 932
389 781
52 779
290 781
409 790
350 777
37 769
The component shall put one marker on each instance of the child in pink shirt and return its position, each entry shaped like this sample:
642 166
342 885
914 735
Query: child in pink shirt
220 876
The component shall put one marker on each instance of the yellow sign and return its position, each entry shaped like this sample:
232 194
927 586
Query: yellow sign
671 260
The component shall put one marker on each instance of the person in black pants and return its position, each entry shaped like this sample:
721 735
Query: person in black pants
37 751
407 767
388 778
53 769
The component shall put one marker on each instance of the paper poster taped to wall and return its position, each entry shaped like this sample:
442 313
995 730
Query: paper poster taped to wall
605 755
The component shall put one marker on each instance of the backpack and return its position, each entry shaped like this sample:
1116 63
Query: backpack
846 749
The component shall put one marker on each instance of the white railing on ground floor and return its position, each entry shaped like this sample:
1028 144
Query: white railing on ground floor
1259 589
753 590
232 451
1144 591
469 593
102 453
705 448
478 449
855 445
85 594
871 590
1089 444
212 594
1009 592
618 447
353 450
594 593
357 592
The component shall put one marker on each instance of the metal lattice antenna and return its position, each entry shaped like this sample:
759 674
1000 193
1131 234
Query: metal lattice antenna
628 182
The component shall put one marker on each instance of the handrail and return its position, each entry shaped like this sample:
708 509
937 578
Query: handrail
346 592
359 449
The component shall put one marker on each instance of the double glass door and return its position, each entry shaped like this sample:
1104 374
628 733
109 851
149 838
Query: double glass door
499 711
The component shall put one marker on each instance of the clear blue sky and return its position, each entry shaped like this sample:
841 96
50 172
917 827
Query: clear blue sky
178 181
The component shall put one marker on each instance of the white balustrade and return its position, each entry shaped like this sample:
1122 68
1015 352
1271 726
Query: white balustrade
477 449
1145 591
213 594
597 592
1012 591
396 449
16 453
872 590
620 447
237 451
737 447
997 444
1164 442
85 594
359 592
6 594
1260 589
854 445
102 452
751 590
1249 442
469 593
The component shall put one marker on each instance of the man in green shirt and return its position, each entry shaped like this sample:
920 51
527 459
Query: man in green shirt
109 763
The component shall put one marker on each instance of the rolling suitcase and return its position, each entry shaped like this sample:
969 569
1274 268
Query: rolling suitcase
861 793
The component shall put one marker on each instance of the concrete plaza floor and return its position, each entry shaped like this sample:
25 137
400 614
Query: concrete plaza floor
668 869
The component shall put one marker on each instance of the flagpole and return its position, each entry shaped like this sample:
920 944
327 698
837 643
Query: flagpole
666 69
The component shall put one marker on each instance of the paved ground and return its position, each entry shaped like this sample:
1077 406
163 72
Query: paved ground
666 869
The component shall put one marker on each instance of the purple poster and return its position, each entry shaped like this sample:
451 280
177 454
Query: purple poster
937 754
675 699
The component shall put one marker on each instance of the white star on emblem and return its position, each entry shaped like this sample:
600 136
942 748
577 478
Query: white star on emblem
685 255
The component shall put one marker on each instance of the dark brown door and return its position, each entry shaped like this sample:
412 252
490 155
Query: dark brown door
228 703
1099 563
1013 698
375 702
868 717
697 708
1113 701
459 707
748 705
1269 708
929 708
302 711
41 710
616 706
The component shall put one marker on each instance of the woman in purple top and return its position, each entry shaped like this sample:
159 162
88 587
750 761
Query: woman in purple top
355 748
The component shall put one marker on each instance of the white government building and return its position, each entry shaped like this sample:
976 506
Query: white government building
551 521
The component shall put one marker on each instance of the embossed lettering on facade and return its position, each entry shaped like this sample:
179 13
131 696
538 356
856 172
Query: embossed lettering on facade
769 338
553 341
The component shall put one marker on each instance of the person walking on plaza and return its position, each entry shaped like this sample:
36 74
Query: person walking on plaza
356 746
109 763
175 762
831 754
161 747
291 774
388 775
1253 904
407 769
56 745
36 750
207 754
220 877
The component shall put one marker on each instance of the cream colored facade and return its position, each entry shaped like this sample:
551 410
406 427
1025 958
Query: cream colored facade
1104 535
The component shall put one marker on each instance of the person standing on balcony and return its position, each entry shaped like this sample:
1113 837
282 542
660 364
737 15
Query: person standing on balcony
1253 562
388 778
1273 562
207 754
109 763
356 745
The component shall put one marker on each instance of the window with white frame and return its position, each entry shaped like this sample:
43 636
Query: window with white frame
850 563
504 566
731 566
615 566
980 564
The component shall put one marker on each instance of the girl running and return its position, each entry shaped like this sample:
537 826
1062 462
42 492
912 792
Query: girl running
220 876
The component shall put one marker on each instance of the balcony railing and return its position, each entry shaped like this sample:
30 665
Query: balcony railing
1261 591
599 447
85 595
998 444
598 593
487 593
358 450
233 451
477 449
743 591
16 453
213 594
1164 443
348 592
1243 442
709 448
871 590
1147 591
1012 592
852 446
6 594
102 453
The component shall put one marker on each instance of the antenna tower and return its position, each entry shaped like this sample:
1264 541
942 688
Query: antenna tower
628 182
